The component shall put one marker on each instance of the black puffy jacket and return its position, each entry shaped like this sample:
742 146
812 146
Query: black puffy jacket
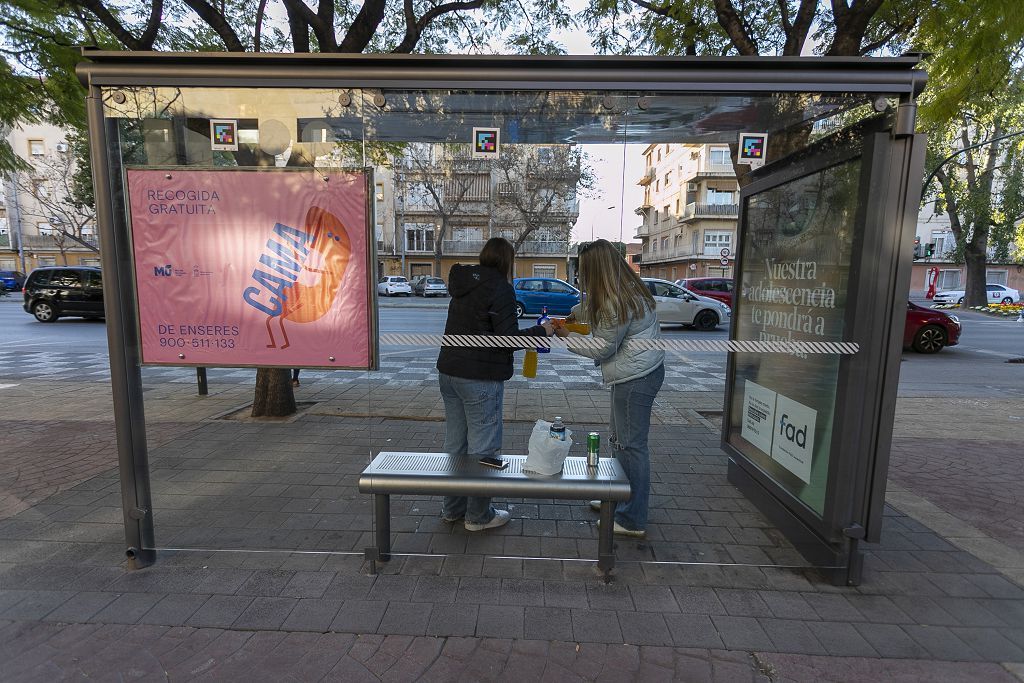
482 303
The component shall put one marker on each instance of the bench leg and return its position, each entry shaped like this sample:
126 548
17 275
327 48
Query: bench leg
382 520
606 538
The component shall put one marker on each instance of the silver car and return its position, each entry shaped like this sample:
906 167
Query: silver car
678 305
429 286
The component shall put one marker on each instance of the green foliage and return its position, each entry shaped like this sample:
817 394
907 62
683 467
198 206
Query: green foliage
975 48
981 189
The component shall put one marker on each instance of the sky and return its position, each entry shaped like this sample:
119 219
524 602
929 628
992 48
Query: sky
609 210
609 213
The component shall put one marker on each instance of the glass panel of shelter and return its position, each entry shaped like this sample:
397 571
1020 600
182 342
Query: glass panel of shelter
459 168
285 492
279 486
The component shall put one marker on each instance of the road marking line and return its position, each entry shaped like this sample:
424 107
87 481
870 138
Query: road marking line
7 386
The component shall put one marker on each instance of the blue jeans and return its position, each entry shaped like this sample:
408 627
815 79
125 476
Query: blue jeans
473 422
632 402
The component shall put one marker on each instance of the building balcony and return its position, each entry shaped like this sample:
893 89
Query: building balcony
687 253
527 248
695 210
48 242
647 178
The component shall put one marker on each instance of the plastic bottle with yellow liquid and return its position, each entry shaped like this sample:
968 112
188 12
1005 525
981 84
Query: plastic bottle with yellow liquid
530 360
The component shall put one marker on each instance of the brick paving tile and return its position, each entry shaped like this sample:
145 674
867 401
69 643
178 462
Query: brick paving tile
547 623
741 633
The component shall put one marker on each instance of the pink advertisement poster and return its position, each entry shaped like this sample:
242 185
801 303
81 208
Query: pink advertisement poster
252 268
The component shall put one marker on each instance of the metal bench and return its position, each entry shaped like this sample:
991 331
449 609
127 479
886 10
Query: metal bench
440 474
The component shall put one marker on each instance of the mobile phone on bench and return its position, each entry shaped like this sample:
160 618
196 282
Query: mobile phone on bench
495 462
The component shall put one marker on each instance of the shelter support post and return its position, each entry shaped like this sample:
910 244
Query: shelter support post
122 341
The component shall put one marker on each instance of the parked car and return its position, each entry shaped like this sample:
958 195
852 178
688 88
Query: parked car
57 291
927 330
535 293
678 305
997 294
428 285
11 280
393 285
718 288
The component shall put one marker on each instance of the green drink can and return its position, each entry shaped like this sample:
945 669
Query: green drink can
593 449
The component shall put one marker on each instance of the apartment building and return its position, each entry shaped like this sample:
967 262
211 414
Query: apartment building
37 219
689 211
436 206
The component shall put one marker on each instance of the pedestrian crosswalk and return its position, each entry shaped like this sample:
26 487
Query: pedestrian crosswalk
695 372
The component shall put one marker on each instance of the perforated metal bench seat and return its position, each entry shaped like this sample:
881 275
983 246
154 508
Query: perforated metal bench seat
440 474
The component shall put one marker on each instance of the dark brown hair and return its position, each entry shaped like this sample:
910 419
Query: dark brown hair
499 254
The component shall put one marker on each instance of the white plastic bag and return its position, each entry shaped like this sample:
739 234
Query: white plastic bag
546 455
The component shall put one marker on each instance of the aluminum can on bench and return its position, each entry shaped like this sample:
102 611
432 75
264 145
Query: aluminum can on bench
593 449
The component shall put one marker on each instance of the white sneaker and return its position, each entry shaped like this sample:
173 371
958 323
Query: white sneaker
501 518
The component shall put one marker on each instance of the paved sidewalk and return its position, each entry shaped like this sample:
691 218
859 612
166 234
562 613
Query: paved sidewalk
458 605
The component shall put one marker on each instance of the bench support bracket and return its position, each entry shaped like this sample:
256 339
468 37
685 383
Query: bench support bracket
606 539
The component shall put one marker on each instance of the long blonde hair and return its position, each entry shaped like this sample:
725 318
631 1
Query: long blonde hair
612 287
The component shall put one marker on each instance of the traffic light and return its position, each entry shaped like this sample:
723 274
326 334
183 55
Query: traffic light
929 249
917 247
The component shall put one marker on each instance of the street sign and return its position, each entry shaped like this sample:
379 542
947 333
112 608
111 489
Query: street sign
726 252
725 261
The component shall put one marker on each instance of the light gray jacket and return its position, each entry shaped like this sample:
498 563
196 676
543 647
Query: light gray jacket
619 362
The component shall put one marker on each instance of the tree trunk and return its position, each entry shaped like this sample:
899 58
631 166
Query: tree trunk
976 258
274 395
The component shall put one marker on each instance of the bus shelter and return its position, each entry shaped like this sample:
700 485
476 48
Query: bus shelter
245 205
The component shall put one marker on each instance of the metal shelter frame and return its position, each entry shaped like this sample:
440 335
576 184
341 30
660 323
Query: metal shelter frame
879 79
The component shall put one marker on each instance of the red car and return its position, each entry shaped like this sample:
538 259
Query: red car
718 288
927 330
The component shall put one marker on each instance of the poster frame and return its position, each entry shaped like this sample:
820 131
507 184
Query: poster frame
866 382
373 346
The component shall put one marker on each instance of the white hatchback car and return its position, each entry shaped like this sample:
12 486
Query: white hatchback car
393 285
996 294
678 305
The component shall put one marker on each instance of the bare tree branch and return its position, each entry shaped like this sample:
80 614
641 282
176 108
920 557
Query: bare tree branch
660 10
851 25
258 30
112 23
363 26
731 22
216 21
156 14
796 35
414 29
323 30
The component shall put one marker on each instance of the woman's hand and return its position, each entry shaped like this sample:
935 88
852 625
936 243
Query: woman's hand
571 318
561 331
548 328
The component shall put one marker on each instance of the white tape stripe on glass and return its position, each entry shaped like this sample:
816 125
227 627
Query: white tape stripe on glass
476 340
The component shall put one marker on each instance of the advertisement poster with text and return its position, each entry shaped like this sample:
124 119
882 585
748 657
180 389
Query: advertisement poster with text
252 268
797 246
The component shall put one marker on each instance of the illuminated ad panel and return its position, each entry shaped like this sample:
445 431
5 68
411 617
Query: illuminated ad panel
792 287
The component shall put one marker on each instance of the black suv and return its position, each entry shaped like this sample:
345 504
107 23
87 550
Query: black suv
58 291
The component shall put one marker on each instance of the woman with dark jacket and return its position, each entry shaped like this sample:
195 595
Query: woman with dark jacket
472 378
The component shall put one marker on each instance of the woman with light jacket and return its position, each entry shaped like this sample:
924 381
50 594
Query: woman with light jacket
620 309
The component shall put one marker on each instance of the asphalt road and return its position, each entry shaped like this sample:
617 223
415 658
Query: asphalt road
977 367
